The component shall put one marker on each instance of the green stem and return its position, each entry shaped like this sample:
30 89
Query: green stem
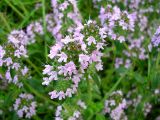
44 28
114 87
34 66
89 90
24 9
158 59
38 94
15 9
149 67
5 21
26 19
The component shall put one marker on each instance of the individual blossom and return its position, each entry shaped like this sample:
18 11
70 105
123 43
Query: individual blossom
91 40
82 104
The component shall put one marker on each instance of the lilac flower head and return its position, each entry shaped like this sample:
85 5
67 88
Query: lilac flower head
72 55
25 106
156 38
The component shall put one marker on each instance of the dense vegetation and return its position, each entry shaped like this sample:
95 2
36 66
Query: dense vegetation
80 59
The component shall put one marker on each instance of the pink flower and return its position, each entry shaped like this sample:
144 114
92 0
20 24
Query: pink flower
53 76
16 66
1 62
8 76
78 36
96 56
63 57
69 68
64 6
48 69
18 38
24 106
53 94
81 104
24 70
15 79
84 60
83 47
76 114
76 79
91 40
121 39
61 95
54 50
102 32
69 92
99 66
2 52
99 46
67 40
46 81
20 113
8 61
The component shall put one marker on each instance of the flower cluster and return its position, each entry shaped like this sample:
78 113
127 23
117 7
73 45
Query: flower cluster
132 100
19 40
77 51
64 14
12 63
72 55
119 62
115 105
112 17
62 113
25 106
14 52
32 30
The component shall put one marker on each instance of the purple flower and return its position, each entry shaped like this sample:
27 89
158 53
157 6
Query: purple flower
54 50
2 52
69 92
121 39
46 81
99 46
99 66
91 40
84 60
8 76
61 95
53 75
63 57
96 56
16 66
48 69
76 114
24 106
8 61
156 37
69 68
67 40
24 71
53 94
